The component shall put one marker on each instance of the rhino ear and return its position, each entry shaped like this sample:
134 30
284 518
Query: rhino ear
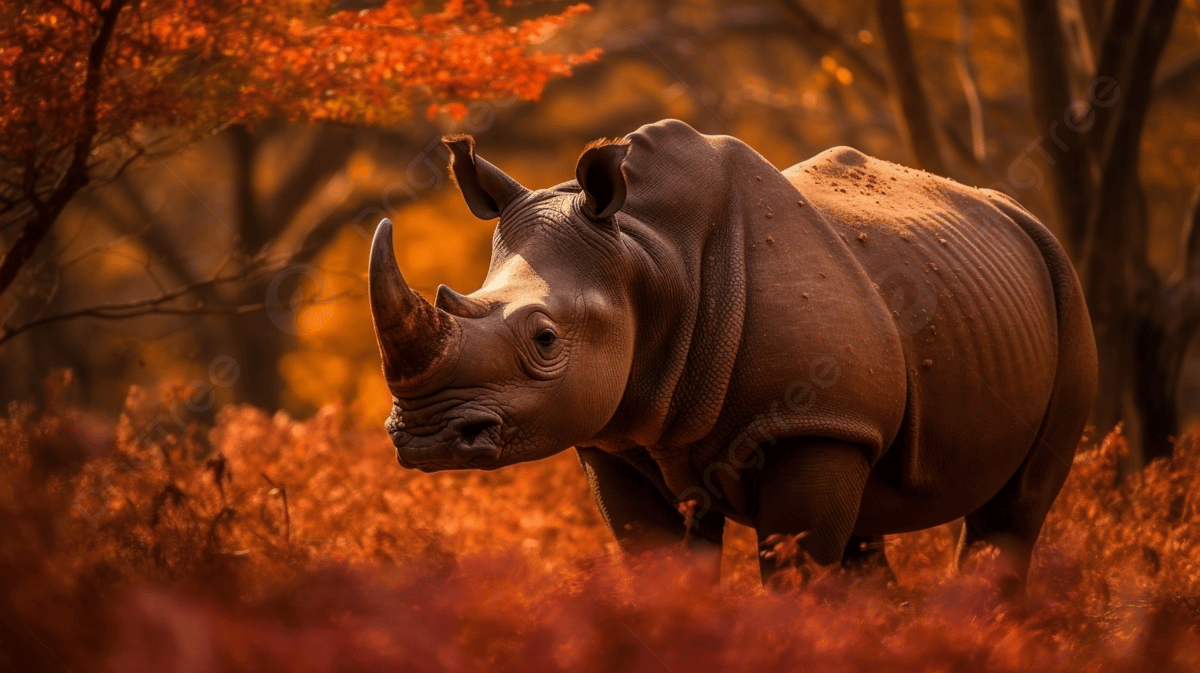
600 176
486 189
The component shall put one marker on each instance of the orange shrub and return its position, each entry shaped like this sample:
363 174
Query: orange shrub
271 543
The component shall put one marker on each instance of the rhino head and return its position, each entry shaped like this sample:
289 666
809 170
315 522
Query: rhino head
537 359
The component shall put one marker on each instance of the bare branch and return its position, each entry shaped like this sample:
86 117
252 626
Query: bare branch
825 38
120 312
354 212
1190 238
160 304
966 76
1092 14
75 177
328 155
153 233
79 15
1177 75
287 517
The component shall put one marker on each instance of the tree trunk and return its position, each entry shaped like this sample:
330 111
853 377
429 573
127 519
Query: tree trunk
260 346
1071 164
914 116
1123 291
1140 339
258 343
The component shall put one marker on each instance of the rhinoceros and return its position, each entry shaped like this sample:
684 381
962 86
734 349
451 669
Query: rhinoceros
841 350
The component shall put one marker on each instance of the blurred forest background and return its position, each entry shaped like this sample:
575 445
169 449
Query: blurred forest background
187 193
241 245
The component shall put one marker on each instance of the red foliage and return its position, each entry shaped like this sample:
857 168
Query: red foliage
87 86
192 63
267 543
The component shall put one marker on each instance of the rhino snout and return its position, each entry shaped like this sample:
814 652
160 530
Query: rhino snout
469 440
477 436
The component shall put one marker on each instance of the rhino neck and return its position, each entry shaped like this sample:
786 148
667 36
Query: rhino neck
689 302
692 200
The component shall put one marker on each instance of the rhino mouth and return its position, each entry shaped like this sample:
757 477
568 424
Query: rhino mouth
470 440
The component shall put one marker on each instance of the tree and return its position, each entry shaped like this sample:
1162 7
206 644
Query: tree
88 86
916 122
1142 324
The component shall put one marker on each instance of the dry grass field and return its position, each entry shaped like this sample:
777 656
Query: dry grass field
272 544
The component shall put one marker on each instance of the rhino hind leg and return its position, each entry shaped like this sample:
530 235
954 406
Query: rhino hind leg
643 520
1012 519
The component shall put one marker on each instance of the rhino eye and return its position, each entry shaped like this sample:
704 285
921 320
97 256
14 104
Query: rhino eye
546 338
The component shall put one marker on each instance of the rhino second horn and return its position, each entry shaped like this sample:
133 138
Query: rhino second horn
413 335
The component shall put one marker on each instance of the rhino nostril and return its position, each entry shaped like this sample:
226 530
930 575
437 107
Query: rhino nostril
471 431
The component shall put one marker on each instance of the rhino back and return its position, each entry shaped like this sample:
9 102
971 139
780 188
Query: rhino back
973 304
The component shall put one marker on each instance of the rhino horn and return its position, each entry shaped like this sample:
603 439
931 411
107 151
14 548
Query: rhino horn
413 335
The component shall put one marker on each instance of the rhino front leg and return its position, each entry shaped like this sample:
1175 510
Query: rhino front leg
642 519
812 486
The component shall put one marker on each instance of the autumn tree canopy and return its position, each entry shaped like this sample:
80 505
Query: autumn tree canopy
86 86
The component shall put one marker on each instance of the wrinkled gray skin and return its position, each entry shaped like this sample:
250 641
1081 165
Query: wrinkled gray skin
846 348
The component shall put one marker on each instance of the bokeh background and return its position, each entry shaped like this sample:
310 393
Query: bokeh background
197 468
789 78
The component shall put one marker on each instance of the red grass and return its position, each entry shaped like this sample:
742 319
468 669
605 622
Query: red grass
130 551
